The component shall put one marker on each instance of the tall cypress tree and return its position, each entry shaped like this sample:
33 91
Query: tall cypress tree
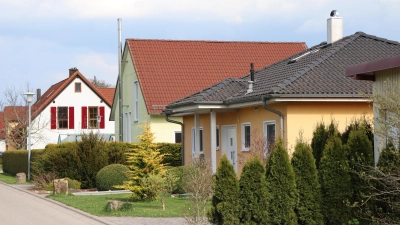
335 182
281 187
308 208
320 136
225 202
253 197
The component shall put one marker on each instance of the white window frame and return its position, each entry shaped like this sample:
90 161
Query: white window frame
136 101
265 133
200 139
244 148
217 137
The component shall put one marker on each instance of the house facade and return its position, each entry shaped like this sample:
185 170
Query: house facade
385 74
157 72
69 108
2 133
280 101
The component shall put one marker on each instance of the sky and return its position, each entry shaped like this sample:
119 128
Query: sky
41 39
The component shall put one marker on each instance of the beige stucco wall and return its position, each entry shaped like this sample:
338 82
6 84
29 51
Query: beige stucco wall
297 116
164 131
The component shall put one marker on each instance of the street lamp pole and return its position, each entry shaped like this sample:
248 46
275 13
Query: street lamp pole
29 98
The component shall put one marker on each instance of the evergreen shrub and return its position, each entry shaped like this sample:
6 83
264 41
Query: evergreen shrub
308 207
281 187
225 201
253 197
111 175
16 161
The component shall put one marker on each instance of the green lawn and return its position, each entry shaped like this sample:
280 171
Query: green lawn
10 179
95 204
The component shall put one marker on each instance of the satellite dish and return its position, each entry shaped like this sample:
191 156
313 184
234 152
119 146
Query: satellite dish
334 13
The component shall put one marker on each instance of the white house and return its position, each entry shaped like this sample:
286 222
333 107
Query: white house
69 108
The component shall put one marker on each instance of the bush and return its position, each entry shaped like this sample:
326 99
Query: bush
172 152
44 181
320 136
335 182
111 175
16 161
225 205
174 180
308 207
253 197
281 187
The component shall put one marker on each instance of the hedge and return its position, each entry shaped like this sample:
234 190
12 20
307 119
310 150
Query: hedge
16 161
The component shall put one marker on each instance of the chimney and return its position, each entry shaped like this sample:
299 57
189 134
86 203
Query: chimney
38 94
335 27
251 81
72 70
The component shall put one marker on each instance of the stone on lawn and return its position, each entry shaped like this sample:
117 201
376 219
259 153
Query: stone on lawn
60 186
115 205
20 178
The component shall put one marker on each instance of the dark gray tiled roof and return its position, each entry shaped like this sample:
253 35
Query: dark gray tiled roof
320 70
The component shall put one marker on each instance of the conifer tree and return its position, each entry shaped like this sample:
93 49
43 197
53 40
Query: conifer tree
225 201
253 197
320 136
308 207
143 161
281 187
335 182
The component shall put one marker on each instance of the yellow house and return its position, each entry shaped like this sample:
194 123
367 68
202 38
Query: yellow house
237 117
385 74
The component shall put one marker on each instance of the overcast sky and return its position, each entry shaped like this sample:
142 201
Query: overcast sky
41 39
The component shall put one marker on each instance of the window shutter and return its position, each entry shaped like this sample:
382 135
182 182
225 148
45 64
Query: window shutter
102 118
84 117
53 117
71 120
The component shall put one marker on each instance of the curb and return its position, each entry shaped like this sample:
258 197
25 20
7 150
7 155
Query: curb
98 219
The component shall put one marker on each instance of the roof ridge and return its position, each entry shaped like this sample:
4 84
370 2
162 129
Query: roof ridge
218 41
335 48
378 38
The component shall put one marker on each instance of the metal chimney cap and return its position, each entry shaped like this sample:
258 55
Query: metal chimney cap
334 13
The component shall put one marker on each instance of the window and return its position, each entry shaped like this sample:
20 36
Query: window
217 137
201 139
78 87
246 137
136 100
269 136
93 112
194 140
178 136
62 117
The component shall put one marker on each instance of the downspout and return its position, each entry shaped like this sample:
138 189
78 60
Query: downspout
264 99
120 93
180 123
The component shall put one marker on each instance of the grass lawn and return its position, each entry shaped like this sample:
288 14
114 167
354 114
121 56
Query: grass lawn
10 179
95 204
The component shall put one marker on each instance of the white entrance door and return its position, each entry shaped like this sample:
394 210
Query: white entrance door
229 144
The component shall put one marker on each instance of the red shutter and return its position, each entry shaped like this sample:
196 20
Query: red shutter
53 117
84 117
102 118
71 119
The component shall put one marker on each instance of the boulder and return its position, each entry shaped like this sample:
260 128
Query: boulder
60 186
115 205
20 178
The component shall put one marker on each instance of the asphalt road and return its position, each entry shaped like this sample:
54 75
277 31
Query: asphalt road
21 207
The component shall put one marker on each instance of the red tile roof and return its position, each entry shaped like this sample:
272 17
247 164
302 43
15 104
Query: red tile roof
169 70
15 113
57 88
108 93
2 126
